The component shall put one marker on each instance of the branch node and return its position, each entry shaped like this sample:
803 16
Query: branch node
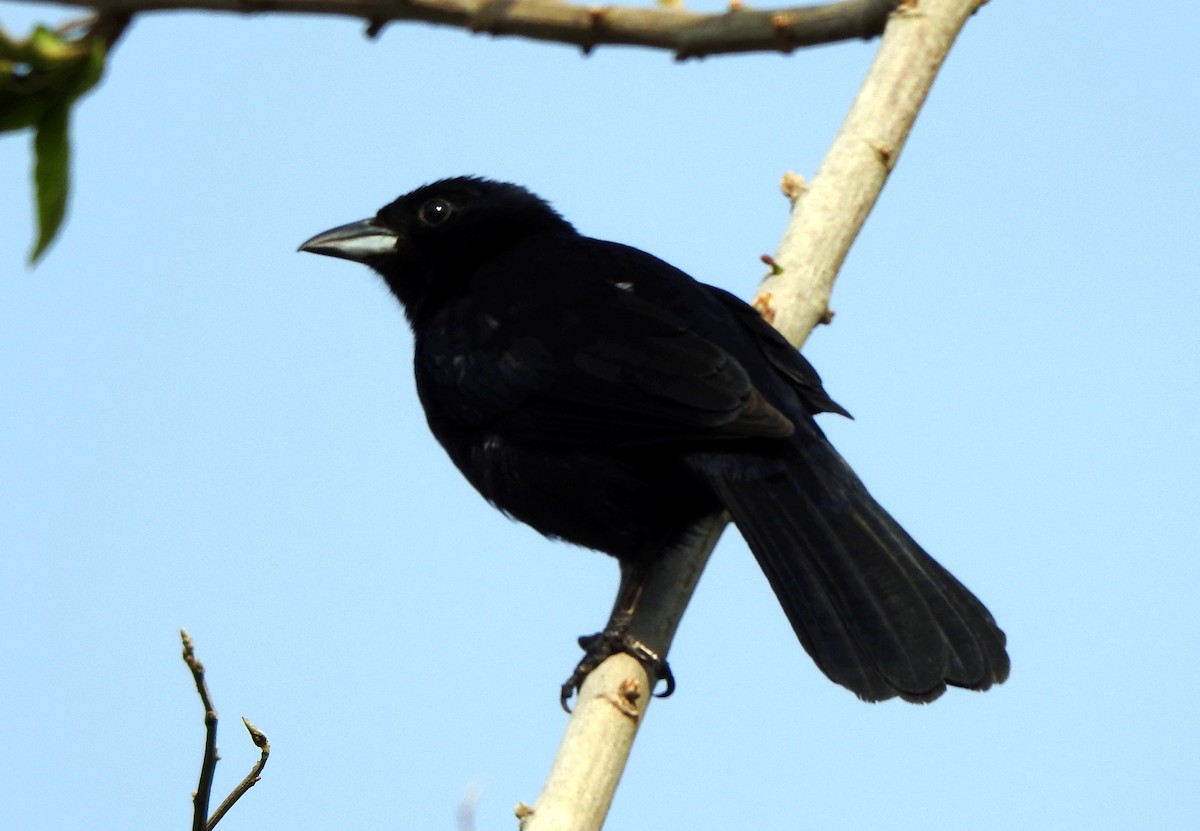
626 697
488 18
887 155
764 304
793 186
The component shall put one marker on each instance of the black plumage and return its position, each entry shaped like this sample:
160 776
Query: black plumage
606 398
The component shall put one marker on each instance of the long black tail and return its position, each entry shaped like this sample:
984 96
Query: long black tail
877 614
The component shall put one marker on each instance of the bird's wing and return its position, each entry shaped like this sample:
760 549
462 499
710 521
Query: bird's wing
783 356
610 369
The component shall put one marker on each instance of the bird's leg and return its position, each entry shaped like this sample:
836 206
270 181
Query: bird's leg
616 639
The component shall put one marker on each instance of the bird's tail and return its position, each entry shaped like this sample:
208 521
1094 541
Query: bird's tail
877 614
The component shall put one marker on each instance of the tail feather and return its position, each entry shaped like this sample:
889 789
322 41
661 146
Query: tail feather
876 613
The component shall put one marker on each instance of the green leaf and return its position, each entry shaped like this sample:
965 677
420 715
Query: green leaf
51 168
93 68
47 48
41 78
17 111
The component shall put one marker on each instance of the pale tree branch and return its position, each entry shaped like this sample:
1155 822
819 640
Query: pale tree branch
828 213
613 698
826 217
686 34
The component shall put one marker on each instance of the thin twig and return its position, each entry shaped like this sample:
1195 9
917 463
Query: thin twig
468 807
200 818
260 741
686 34
208 767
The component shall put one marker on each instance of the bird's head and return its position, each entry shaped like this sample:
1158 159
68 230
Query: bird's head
427 243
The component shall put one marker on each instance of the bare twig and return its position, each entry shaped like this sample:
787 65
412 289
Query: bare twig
200 799
686 34
208 766
468 807
260 741
107 25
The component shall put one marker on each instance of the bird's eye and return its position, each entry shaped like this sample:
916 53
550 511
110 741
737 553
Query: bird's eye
434 212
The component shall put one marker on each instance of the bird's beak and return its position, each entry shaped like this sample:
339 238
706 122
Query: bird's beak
359 241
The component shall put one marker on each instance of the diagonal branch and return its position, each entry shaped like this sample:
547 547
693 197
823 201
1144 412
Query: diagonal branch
828 213
826 217
249 781
686 34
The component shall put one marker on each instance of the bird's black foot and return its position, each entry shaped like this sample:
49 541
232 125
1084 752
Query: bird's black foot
599 647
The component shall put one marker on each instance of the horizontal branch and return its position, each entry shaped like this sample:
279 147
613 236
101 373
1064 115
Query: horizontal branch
686 34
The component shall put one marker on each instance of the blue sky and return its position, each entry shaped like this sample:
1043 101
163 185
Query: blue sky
200 427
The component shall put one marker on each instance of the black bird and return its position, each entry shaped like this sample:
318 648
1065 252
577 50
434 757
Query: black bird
604 397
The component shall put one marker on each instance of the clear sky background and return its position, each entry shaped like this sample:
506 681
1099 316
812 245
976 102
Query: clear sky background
200 427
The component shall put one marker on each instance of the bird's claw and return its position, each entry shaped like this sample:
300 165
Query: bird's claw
599 647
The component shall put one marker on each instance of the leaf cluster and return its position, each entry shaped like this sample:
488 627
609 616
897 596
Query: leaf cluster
41 78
